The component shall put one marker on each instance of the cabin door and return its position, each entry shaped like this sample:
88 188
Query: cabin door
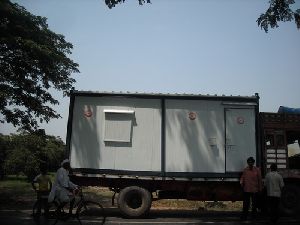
240 141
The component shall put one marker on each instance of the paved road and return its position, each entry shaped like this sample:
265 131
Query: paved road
157 217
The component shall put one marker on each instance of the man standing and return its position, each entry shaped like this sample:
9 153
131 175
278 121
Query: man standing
274 184
251 183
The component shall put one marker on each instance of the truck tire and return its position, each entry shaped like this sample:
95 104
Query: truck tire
290 200
134 201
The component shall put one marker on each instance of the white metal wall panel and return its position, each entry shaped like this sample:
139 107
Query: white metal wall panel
88 148
240 138
195 136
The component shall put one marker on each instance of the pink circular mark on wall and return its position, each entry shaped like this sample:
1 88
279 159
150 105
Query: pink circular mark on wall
88 113
240 120
192 115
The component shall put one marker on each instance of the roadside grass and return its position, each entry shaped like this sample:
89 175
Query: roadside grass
16 193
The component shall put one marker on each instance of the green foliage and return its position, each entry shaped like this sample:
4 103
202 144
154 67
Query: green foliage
25 153
55 152
279 11
113 3
4 148
33 60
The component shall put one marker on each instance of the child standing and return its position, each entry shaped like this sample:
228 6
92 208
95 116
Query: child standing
43 188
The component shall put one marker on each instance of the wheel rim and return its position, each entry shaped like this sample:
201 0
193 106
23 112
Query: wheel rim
134 200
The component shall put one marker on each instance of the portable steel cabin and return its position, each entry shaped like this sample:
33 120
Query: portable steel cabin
169 143
162 135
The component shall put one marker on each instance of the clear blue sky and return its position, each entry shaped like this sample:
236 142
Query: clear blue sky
175 46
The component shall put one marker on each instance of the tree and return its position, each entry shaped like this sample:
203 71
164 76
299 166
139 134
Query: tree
24 153
279 11
113 3
33 60
4 149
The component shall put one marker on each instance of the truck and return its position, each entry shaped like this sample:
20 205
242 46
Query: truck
150 146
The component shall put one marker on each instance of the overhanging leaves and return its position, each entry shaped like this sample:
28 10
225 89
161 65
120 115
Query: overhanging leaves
33 60
113 3
279 11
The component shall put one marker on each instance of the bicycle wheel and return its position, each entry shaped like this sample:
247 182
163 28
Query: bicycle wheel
90 212
35 209
52 206
61 212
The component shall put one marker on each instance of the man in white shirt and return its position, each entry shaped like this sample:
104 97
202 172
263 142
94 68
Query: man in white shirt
63 189
274 184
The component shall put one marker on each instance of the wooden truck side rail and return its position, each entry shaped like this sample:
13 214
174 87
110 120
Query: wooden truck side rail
280 121
278 130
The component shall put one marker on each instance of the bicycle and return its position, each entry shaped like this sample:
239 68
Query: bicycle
84 209
37 205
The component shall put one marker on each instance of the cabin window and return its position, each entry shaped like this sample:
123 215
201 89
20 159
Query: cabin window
118 125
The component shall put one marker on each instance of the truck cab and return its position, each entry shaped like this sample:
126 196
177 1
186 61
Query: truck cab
280 134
